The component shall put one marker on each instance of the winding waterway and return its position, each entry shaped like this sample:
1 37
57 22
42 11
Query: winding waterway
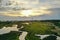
23 35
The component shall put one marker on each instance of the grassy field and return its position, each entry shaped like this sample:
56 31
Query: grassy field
39 27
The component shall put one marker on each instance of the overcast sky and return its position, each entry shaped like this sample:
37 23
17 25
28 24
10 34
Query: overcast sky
43 9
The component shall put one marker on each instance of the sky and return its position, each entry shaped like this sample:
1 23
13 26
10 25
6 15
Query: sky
29 10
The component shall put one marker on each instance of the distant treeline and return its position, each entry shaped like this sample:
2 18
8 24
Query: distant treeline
34 21
19 23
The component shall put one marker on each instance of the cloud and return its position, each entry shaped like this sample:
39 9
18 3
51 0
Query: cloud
22 13
30 3
10 13
12 8
52 3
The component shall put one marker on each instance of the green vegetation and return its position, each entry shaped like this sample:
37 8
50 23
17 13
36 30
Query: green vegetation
57 24
9 23
39 27
10 36
34 27
31 36
6 24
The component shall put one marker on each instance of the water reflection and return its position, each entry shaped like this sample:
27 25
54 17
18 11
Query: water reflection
8 29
